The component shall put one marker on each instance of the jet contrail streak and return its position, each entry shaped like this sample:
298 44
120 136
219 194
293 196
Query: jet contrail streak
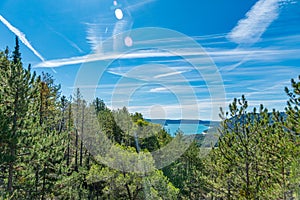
21 36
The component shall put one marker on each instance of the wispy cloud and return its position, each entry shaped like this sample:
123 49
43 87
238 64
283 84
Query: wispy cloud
159 89
170 74
106 27
274 90
68 40
108 56
149 73
257 20
64 62
100 32
21 36
118 73
138 5
94 35
218 55
120 27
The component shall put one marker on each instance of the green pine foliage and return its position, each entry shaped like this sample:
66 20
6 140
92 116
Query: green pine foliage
256 156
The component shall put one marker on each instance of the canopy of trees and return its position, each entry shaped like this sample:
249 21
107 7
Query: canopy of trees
47 147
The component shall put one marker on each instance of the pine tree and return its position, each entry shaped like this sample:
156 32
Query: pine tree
16 53
292 125
239 162
47 140
17 93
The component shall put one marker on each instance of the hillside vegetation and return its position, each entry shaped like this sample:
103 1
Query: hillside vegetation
51 149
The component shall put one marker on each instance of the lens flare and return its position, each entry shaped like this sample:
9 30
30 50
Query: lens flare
119 14
128 41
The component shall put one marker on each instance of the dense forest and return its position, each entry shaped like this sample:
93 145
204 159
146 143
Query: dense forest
46 152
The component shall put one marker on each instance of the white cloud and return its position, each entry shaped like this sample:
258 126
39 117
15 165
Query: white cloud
107 27
94 37
138 5
68 40
109 56
160 89
21 36
225 58
64 61
120 27
170 74
257 20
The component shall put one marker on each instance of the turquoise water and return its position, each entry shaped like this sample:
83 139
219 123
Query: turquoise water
187 129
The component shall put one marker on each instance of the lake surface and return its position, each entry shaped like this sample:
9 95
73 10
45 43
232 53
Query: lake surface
187 129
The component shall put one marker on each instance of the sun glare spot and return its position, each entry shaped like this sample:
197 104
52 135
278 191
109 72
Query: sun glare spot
119 14
157 112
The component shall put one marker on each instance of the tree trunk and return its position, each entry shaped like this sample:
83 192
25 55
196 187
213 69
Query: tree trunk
81 153
11 171
13 146
247 179
76 150
69 133
81 138
44 183
127 188
36 180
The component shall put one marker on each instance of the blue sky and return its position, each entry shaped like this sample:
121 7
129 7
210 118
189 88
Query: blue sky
245 47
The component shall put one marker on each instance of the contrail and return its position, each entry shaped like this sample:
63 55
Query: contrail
21 36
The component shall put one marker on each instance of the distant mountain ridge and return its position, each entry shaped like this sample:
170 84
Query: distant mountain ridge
283 115
203 122
181 121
